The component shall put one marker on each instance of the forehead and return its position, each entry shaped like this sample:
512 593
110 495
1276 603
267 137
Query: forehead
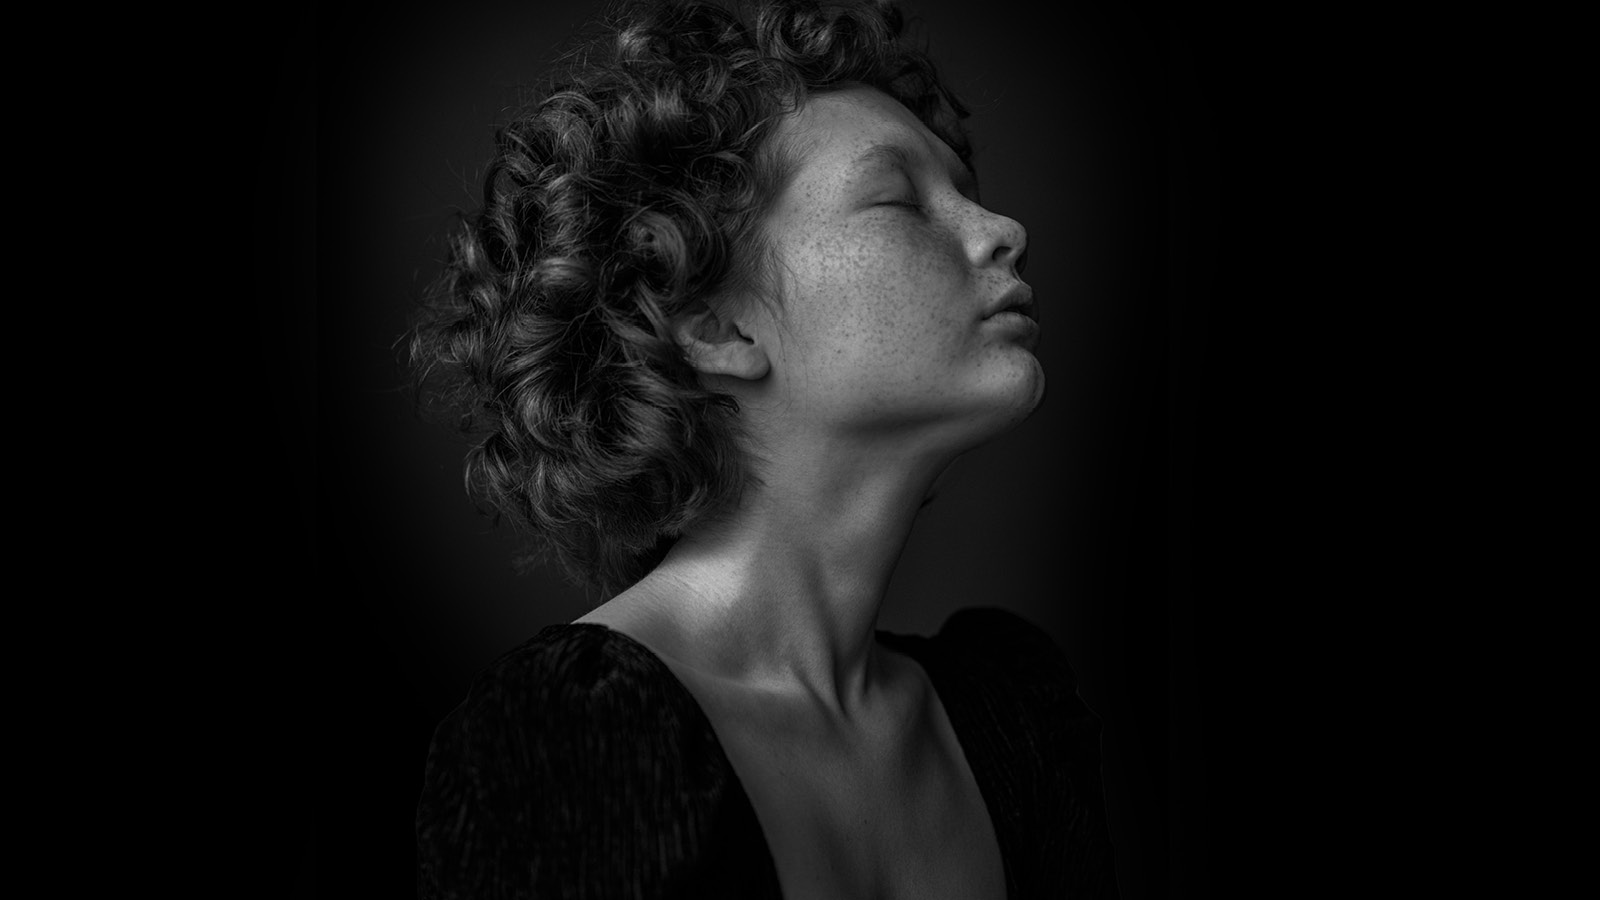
838 134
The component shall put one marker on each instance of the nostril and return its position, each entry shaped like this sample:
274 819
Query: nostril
1022 262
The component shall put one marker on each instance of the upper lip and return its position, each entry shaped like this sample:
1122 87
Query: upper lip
1018 299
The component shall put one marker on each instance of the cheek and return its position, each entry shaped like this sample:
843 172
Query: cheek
887 290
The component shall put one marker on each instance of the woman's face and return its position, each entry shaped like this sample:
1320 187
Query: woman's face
894 279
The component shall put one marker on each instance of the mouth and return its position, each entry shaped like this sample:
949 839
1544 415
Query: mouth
1016 315
1017 301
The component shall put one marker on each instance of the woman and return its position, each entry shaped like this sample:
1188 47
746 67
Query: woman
731 307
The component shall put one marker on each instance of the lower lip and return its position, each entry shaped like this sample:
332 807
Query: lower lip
1016 322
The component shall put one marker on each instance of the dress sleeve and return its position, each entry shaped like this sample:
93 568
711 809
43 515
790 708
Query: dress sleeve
578 767
1054 743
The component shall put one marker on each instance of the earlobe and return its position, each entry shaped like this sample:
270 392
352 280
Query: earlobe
718 346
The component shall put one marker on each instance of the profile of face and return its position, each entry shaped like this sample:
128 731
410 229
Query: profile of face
901 311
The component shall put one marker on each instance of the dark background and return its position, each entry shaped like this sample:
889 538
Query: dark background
1132 516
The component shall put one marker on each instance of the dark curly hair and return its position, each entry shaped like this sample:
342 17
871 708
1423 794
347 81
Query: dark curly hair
628 191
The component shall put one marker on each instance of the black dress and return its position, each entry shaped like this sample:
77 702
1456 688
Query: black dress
580 767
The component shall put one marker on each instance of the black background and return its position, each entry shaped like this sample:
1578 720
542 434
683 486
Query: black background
1149 515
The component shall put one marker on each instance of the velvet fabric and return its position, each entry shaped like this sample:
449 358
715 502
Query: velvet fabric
580 767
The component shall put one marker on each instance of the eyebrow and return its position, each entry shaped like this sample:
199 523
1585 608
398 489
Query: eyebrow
897 156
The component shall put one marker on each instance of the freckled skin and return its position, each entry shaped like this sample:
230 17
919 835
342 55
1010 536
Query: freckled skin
873 369
881 324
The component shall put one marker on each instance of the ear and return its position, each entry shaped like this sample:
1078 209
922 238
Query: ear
718 345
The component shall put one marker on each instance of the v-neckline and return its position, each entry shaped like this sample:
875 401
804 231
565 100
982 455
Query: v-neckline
960 718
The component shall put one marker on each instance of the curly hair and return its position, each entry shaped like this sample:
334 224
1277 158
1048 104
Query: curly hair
628 191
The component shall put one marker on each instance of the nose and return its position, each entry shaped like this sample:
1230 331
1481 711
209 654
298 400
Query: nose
1000 241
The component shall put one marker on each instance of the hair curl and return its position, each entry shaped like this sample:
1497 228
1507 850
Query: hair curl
628 191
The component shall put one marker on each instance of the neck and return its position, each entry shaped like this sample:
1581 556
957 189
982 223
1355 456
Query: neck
783 592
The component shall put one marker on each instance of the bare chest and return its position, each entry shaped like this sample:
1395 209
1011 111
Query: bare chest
877 822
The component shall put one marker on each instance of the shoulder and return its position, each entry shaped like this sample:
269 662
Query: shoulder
1005 649
570 697
583 671
574 758
1008 674
992 627
1022 679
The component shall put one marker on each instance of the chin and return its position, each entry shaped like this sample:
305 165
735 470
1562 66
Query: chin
1024 386
1029 394
1021 394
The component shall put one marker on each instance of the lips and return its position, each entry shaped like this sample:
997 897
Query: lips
1017 300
